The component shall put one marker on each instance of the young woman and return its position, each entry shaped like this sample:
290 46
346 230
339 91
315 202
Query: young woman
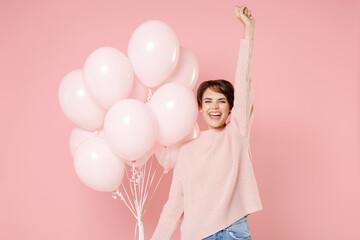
214 187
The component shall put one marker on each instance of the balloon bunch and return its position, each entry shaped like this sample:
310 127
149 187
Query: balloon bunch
121 123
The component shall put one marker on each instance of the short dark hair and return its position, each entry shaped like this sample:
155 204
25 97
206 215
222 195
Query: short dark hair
219 85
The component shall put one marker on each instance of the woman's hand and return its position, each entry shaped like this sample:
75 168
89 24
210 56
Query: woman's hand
244 15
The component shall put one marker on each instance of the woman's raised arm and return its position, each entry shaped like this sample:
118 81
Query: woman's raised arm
243 111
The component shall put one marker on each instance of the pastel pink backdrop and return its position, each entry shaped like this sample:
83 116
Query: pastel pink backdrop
305 135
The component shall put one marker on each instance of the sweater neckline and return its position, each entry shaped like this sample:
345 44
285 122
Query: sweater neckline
213 130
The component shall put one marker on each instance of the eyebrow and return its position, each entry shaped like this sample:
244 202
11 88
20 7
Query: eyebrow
211 98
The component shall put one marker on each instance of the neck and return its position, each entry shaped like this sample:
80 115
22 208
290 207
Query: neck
218 128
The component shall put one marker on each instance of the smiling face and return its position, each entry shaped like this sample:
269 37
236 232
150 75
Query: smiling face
215 109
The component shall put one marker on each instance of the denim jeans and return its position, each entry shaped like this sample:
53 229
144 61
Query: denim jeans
238 230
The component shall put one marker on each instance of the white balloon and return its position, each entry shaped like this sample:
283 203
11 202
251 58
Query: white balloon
97 166
108 76
77 136
175 108
187 69
153 52
130 129
77 104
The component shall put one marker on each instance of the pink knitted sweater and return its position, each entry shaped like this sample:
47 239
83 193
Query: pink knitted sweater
213 182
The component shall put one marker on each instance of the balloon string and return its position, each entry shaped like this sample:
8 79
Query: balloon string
137 182
141 230
127 175
165 157
149 96
117 193
140 189
147 180
152 178
143 179
134 180
128 197
135 231
153 192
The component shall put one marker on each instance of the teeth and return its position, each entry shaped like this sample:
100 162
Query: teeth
215 114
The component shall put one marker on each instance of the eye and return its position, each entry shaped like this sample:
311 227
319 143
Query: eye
223 101
207 101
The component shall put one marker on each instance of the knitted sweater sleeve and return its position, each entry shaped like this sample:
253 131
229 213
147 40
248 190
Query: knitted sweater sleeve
172 211
242 113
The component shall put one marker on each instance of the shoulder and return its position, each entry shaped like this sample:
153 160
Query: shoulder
189 144
185 149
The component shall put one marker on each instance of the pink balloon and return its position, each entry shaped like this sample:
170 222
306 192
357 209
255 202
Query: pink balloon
97 166
108 76
192 135
77 136
130 129
153 52
175 109
139 91
77 104
167 156
187 69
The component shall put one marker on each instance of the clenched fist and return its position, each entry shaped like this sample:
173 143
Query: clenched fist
244 15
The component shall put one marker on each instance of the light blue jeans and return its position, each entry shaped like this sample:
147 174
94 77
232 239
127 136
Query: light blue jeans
238 230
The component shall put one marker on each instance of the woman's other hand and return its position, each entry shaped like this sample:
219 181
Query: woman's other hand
244 15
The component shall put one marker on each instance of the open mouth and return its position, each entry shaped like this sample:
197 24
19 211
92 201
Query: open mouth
215 115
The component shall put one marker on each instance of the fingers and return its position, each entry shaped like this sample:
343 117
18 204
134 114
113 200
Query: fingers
239 9
247 12
243 9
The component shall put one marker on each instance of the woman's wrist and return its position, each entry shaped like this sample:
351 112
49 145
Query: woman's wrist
249 33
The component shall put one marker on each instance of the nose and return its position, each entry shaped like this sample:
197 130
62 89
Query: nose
215 106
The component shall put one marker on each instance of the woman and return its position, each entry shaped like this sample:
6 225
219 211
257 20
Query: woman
213 187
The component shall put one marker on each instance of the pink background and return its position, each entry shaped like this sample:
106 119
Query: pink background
305 135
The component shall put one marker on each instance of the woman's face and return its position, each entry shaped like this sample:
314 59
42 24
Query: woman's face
215 109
